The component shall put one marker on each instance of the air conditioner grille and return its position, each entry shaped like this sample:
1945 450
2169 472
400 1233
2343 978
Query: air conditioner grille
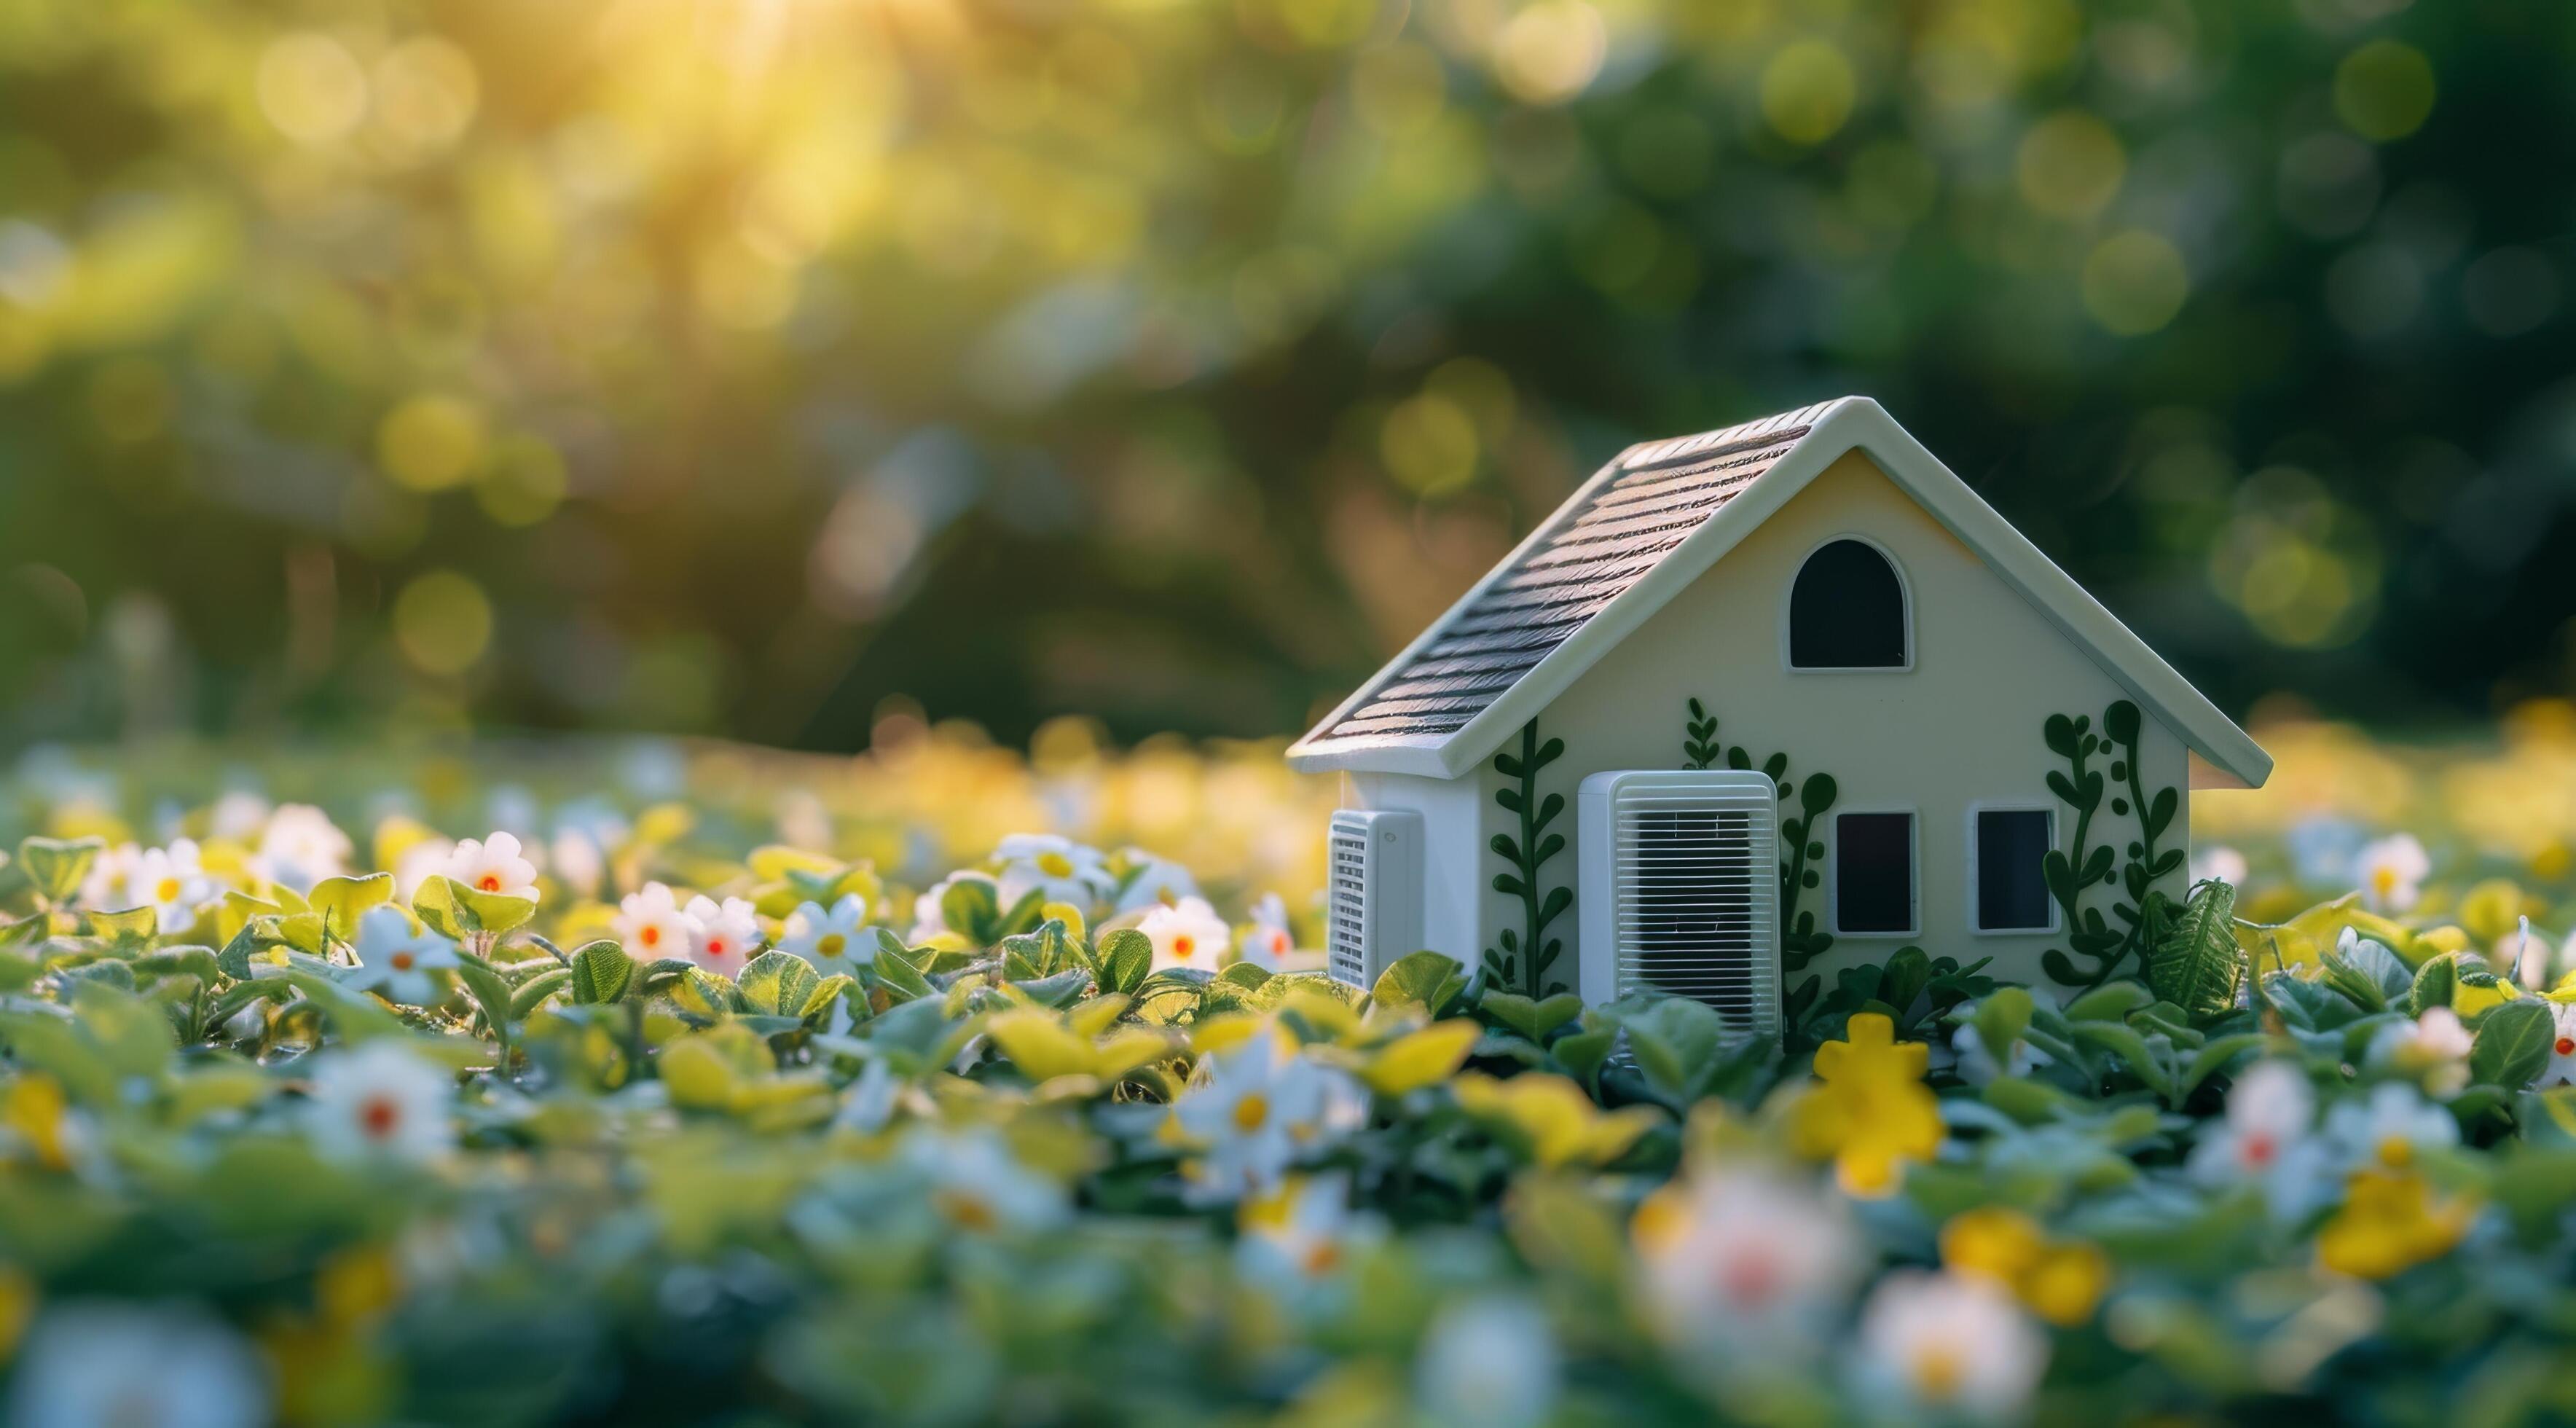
1346 932
1695 903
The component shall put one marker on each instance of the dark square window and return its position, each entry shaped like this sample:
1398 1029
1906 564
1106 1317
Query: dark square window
1874 872
2011 844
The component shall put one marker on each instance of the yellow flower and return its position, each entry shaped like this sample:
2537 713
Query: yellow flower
34 1108
2060 1281
1872 1113
2390 1222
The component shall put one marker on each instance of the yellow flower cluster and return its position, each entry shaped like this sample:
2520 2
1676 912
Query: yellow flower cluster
2391 1221
2060 1280
1871 1114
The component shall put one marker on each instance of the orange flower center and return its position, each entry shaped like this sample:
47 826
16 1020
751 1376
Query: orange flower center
489 882
2567 1046
1751 1278
1184 945
715 947
965 1210
167 890
377 1116
402 961
2258 1150
651 936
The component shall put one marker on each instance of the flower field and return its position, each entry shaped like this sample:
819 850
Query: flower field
645 1083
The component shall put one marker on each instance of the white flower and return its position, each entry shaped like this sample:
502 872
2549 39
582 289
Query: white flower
419 863
1488 1363
109 886
579 862
1258 1109
494 865
2392 872
868 1102
1978 1066
651 926
727 933
1267 942
928 921
1744 1267
1190 935
2265 1140
1949 1342
301 847
381 1099
170 882
977 1185
2433 1047
93 1364
395 960
2561 1070
1057 867
1300 1238
2220 862
833 941
237 815
1154 880
2389 1128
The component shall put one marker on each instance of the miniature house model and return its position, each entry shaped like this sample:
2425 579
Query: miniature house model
1753 705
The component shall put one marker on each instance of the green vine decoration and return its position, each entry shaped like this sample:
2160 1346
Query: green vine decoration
1800 941
2070 874
1525 957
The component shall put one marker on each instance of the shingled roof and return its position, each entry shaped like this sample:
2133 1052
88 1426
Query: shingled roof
1639 531
1592 551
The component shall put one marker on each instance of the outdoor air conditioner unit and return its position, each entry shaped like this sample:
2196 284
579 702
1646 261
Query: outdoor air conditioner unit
1681 890
1374 876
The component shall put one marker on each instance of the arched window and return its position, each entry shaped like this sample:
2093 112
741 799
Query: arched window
1847 610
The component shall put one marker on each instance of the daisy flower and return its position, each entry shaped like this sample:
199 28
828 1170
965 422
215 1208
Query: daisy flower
1188 935
172 883
2392 872
395 959
381 1100
109 887
833 941
1152 880
651 926
1951 1343
728 933
494 865
2434 1047
300 847
1742 1266
2388 1129
1267 943
419 863
978 1186
93 1362
1257 1110
2561 1070
1300 1238
2265 1139
1054 866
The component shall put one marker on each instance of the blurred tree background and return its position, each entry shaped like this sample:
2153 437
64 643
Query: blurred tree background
731 365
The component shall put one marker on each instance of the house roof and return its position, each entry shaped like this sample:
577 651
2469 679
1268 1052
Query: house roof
1640 531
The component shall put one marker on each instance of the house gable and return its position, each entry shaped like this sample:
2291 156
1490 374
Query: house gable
1476 720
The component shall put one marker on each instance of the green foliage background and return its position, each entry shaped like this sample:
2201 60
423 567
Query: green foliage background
727 367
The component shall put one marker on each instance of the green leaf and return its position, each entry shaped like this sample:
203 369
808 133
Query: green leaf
1533 1019
2145 1056
2001 1019
778 984
1126 959
56 867
132 1036
456 911
601 972
1420 981
2434 985
2214 1057
536 989
126 933
2198 966
1677 1042
2512 1045
895 970
342 901
828 993
972 911
2112 1001
490 990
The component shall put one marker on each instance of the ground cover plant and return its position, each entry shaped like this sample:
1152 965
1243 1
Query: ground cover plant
653 1084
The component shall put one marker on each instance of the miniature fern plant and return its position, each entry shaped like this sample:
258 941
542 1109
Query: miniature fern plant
1526 956
2197 965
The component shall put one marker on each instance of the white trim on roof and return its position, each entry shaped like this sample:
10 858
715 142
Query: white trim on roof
1851 423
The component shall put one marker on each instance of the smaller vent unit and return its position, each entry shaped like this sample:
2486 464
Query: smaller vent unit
1374 907
1681 890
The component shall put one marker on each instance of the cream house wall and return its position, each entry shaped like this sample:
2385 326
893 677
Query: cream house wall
1960 728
